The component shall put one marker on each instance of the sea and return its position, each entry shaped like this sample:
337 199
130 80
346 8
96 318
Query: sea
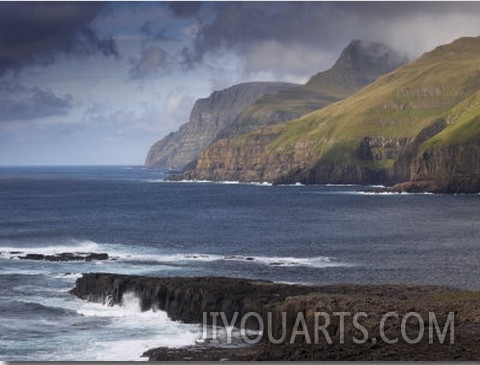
315 234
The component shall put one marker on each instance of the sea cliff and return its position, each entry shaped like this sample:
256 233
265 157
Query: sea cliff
418 123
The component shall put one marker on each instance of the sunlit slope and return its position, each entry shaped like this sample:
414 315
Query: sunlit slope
463 125
400 104
360 63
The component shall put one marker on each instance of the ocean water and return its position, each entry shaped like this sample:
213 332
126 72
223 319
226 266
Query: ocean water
302 234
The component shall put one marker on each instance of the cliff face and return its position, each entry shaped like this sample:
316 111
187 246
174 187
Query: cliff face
447 161
250 159
447 169
420 122
207 118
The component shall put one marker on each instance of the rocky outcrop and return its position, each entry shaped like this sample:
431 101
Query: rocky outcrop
381 148
447 161
187 298
449 169
208 117
450 185
66 256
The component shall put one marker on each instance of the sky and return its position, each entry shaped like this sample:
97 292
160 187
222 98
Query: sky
97 83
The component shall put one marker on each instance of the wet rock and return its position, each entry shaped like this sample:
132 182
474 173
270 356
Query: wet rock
66 256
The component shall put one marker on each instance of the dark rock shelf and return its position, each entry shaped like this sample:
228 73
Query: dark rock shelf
186 298
66 256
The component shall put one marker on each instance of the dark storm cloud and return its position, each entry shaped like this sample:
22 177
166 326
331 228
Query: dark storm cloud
147 28
240 26
21 103
185 9
34 33
402 9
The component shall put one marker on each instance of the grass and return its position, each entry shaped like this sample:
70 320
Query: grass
464 125
322 89
456 295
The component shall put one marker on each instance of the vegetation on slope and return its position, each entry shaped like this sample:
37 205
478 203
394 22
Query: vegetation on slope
402 104
360 63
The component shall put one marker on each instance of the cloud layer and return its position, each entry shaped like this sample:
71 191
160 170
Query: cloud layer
295 35
35 32
22 103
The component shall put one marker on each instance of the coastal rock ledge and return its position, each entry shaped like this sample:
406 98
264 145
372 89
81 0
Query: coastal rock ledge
186 298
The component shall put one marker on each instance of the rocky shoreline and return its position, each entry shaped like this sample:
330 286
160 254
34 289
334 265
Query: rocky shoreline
452 185
187 298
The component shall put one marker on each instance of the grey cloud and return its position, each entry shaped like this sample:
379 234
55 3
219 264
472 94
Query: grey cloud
147 28
156 35
35 32
241 24
21 103
151 60
322 29
162 35
185 9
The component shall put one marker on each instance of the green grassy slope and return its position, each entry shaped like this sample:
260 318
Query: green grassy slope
359 64
463 125
443 82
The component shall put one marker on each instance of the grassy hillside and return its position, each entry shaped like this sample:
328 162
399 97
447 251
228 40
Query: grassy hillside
359 64
463 125
443 82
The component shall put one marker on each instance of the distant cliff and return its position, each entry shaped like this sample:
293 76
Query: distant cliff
246 107
418 123
207 118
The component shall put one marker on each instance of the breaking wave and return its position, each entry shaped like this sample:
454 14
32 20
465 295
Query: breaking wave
317 262
71 246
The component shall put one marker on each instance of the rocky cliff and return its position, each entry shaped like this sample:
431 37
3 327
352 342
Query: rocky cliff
187 299
420 122
207 118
